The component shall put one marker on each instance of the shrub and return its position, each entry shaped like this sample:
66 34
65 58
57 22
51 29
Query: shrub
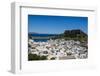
36 57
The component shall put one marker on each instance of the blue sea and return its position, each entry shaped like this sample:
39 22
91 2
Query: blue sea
41 35
41 40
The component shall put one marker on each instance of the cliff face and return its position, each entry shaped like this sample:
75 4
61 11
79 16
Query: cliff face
75 34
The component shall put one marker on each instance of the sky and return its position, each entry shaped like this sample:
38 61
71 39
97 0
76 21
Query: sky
56 24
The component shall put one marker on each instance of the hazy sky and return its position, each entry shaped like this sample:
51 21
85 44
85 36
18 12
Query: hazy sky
56 24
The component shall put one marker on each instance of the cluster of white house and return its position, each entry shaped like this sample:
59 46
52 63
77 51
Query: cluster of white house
58 49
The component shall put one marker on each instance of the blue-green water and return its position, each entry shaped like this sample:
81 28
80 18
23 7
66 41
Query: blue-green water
41 35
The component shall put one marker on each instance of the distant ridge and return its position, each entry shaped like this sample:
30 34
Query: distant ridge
33 33
41 33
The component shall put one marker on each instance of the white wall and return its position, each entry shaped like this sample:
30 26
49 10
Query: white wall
5 42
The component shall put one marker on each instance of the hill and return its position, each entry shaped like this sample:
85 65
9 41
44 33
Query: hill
76 34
